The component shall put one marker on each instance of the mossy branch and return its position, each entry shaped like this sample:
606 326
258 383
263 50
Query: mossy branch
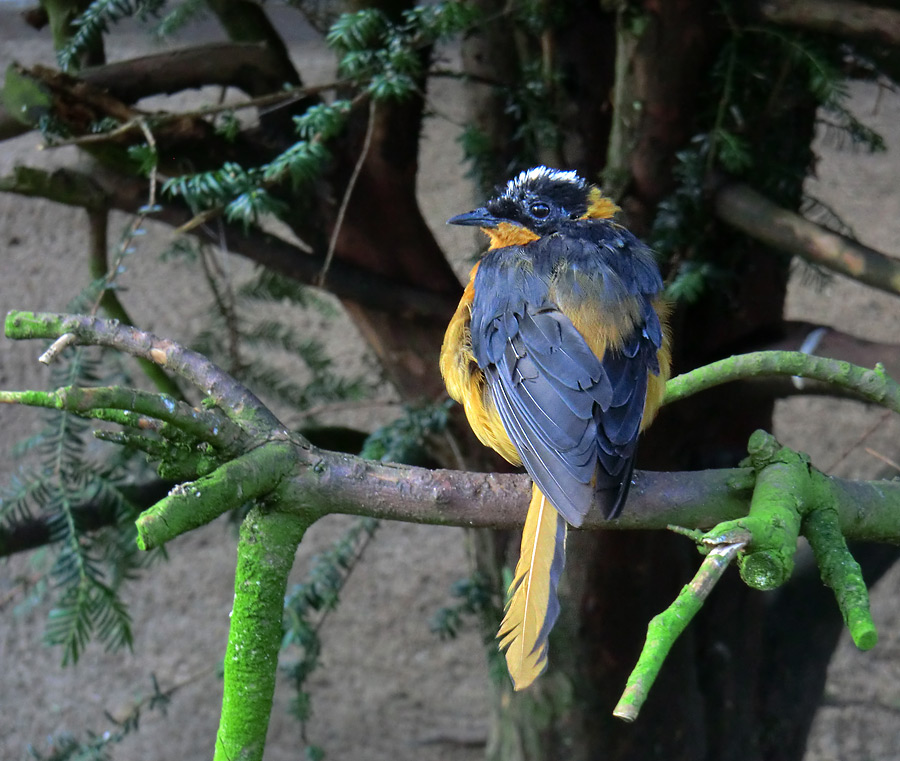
842 573
872 385
188 506
757 512
666 627
266 549
790 498
137 409
235 400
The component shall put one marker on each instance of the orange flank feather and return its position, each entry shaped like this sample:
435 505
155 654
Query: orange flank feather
559 353
466 383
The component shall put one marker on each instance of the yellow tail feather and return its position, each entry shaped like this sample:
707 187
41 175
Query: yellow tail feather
532 606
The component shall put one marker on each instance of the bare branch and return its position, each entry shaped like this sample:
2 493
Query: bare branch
743 208
843 18
249 66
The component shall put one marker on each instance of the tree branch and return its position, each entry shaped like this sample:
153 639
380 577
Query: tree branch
345 279
224 391
251 67
665 628
873 385
266 549
207 425
843 18
743 208
247 478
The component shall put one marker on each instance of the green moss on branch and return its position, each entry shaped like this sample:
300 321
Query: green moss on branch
266 551
841 573
873 385
251 476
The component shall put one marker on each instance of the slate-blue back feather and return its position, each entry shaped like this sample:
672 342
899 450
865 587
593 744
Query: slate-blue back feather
565 409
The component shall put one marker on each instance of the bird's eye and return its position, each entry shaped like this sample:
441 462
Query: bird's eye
540 210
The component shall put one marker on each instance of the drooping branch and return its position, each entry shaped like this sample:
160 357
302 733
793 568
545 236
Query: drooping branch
665 628
843 18
266 549
743 208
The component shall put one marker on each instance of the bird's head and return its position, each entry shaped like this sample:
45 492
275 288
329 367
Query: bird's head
536 203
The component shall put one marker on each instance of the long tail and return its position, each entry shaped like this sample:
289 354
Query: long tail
532 606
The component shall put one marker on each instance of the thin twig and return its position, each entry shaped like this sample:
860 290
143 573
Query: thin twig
57 347
345 201
884 458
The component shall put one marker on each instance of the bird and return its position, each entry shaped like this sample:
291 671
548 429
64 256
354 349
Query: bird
559 352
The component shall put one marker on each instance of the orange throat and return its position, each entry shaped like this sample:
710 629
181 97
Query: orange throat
508 234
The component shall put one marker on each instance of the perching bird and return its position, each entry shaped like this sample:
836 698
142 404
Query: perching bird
559 353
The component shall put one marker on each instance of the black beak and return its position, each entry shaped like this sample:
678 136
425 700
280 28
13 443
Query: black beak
476 218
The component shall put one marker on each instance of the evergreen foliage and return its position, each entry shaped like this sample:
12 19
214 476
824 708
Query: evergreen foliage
761 74
95 21
88 568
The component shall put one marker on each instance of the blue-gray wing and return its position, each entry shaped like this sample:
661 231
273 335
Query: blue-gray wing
573 418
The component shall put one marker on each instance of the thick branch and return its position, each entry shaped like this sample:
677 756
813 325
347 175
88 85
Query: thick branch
266 550
188 506
250 66
695 499
743 208
843 18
